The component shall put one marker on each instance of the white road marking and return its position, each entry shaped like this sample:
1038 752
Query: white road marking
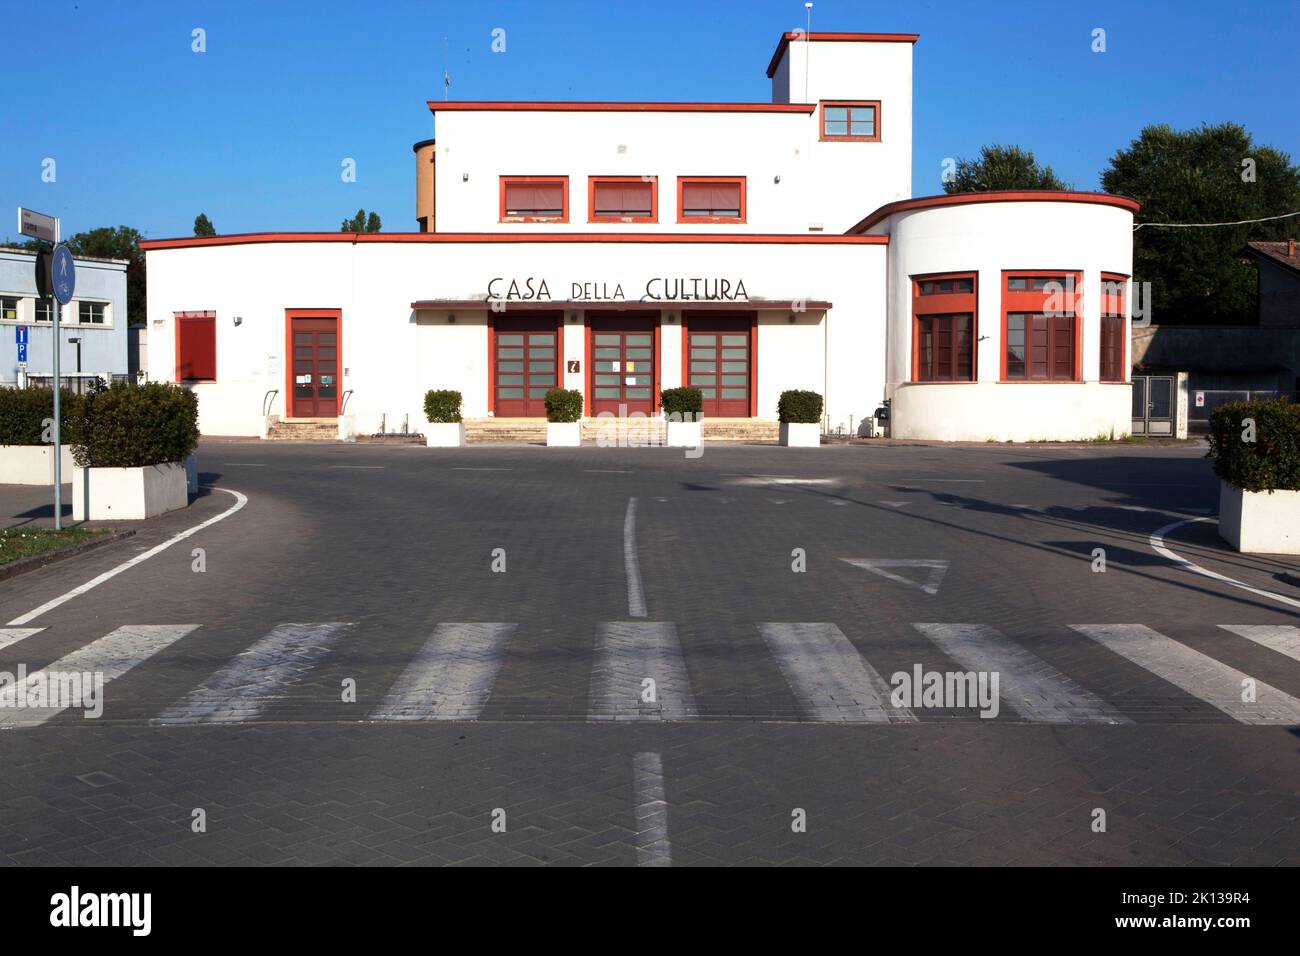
451 677
895 504
632 566
240 501
1027 684
1276 637
1195 673
256 678
12 635
111 655
1157 541
466 468
827 675
629 653
836 501
936 568
245 464
960 481
606 471
359 467
652 846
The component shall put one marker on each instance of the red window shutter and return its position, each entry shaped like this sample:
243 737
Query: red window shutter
697 196
547 196
622 199
520 196
196 354
725 196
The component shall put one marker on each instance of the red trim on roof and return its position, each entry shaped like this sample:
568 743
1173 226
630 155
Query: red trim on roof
463 106
963 199
737 238
837 37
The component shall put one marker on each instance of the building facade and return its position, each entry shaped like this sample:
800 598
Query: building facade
624 248
93 326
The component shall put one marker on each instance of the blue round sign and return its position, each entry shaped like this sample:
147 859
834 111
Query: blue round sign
63 274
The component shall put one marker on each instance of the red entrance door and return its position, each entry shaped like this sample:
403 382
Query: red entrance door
314 367
719 362
525 364
622 364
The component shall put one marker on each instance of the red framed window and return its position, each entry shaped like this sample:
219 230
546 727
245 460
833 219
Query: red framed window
1113 316
943 328
1040 325
710 198
196 346
534 198
850 121
623 199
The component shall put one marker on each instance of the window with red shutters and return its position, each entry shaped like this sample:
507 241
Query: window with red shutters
1040 326
943 328
711 199
1113 315
534 199
196 346
623 199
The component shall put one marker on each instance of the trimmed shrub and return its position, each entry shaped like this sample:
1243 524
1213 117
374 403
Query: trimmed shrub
1269 463
563 405
442 405
800 406
685 402
23 412
128 425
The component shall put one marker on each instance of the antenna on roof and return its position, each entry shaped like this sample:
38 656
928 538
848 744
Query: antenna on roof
446 71
807 53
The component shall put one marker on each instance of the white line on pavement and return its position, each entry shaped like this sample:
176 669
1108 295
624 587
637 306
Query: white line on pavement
256 678
1157 541
1029 685
629 655
466 468
635 596
652 846
110 656
240 501
1276 637
12 635
360 467
1195 673
962 481
827 675
451 677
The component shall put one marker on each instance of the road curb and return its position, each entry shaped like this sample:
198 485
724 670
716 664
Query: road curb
23 565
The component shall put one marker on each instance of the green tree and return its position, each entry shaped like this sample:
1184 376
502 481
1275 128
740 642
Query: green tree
1207 175
203 225
1002 167
121 242
361 223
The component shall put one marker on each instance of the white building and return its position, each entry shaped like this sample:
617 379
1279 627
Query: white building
625 248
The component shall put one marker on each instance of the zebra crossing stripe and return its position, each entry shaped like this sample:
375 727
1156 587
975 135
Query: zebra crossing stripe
652 846
629 656
1027 684
110 656
1276 637
1195 673
12 635
827 675
452 676
256 678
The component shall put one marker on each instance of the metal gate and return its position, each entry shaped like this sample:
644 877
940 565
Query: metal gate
1153 405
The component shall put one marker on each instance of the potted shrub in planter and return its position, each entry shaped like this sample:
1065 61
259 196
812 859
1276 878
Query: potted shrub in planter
563 417
27 443
684 412
445 428
135 440
1256 452
800 412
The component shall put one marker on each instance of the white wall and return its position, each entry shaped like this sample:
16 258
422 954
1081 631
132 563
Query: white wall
987 238
988 411
391 355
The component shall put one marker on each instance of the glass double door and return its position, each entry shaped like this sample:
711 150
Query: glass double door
719 363
623 373
525 365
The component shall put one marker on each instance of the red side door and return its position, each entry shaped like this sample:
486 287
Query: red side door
525 364
314 366
622 362
719 362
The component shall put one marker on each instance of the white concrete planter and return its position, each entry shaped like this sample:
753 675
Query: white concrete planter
347 428
444 434
32 464
564 434
192 473
801 434
684 434
1259 522
127 493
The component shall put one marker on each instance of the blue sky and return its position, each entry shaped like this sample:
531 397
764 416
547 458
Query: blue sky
147 133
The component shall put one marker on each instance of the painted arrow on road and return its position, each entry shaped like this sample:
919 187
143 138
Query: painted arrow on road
935 569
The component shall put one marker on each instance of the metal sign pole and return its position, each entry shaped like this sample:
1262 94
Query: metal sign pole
55 309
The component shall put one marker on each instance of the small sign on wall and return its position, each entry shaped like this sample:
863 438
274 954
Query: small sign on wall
572 365
1200 399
